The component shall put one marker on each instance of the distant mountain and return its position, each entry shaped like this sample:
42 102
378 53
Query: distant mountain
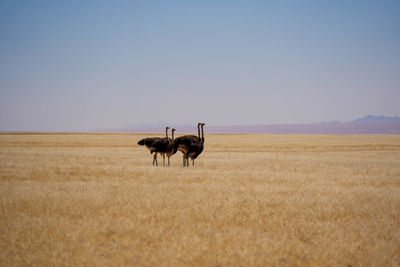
153 127
367 125
380 127
372 118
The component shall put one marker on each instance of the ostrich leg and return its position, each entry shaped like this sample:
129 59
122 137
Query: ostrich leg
155 159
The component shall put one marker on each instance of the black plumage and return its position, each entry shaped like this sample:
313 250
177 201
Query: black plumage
172 149
191 146
164 146
153 144
196 149
148 142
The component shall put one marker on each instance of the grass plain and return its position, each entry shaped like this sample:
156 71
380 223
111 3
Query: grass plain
91 199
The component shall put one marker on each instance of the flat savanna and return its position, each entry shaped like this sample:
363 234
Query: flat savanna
250 200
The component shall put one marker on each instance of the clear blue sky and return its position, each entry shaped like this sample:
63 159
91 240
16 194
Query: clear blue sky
82 65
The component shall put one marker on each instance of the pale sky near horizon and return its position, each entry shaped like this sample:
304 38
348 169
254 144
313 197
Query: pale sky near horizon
83 65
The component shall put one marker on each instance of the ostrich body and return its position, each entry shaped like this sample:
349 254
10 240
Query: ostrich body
164 146
172 149
196 148
149 142
190 145
183 143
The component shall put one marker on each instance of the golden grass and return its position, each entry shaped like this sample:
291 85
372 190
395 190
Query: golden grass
251 200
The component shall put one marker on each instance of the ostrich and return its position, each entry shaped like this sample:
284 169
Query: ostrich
172 149
163 146
182 143
189 144
148 142
196 148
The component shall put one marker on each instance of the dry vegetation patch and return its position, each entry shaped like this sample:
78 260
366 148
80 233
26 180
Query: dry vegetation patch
251 200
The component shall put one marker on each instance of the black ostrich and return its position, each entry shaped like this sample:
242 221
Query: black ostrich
183 143
190 145
172 149
196 149
164 146
149 141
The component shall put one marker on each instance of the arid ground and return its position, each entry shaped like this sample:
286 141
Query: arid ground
250 200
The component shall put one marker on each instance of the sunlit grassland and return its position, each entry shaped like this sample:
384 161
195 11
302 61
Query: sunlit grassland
250 200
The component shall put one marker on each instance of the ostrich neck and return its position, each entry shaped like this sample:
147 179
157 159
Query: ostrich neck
166 133
202 133
198 130
173 135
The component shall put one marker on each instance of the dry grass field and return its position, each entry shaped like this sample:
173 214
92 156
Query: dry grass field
251 200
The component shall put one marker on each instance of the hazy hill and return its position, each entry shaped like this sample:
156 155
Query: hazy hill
372 118
369 124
